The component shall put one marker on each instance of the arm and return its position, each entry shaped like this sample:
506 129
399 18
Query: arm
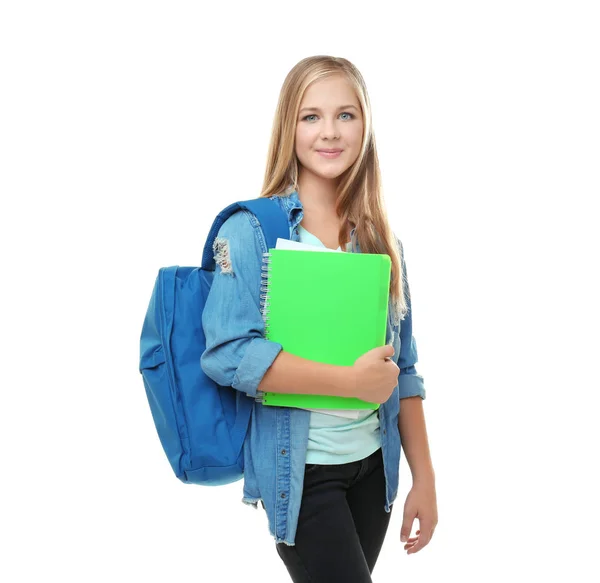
413 434
237 353
293 374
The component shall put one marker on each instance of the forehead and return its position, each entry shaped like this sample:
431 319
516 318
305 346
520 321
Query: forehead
331 91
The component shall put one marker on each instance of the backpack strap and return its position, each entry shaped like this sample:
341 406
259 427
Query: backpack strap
271 217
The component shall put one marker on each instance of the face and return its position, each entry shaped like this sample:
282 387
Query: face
330 118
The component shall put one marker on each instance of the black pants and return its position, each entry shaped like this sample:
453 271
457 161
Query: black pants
342 523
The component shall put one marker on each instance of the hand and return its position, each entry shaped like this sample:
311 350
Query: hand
374 375
420 503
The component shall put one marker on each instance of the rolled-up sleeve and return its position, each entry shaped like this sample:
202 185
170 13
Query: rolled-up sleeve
410 382
237 353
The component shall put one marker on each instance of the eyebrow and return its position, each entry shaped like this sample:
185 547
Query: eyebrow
317 109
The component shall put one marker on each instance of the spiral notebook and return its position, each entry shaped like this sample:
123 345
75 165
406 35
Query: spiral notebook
325 307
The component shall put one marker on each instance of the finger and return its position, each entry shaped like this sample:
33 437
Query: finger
411 542
426 527
421 543
405 531
407 524
423 538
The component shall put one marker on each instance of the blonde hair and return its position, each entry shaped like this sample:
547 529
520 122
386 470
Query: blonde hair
359 194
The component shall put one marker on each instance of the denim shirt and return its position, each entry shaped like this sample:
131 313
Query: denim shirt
238 355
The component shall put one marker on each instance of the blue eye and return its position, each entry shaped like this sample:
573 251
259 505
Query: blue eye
305 118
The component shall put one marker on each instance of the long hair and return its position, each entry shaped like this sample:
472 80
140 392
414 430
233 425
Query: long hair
359 194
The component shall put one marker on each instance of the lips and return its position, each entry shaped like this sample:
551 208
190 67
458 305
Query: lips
330 154
330 151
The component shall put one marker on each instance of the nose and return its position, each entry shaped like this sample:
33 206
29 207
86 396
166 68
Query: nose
329 130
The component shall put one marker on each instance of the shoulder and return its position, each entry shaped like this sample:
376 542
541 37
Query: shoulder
238 220
241 225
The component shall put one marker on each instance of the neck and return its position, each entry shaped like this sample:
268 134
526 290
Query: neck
316 193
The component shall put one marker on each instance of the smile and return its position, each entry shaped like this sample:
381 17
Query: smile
329 154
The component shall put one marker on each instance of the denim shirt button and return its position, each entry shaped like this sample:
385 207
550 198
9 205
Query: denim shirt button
283 452
283 494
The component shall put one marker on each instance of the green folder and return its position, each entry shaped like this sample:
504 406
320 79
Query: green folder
328 307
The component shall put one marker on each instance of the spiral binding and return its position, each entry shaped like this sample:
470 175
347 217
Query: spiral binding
264 303
264 289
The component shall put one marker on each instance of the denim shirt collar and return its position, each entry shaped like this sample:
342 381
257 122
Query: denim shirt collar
293 205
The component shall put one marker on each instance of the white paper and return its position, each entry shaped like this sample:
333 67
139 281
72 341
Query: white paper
297 245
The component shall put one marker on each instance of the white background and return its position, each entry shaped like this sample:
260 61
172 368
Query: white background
125 127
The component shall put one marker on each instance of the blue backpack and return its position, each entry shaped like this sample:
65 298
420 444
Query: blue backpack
201 424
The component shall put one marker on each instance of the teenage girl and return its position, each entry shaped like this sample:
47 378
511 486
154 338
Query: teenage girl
326 481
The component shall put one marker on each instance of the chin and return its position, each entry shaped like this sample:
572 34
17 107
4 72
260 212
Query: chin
330 174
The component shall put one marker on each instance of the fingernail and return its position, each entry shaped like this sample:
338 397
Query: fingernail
403 538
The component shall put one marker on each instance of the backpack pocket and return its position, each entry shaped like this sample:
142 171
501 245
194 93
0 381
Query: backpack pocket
155 375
